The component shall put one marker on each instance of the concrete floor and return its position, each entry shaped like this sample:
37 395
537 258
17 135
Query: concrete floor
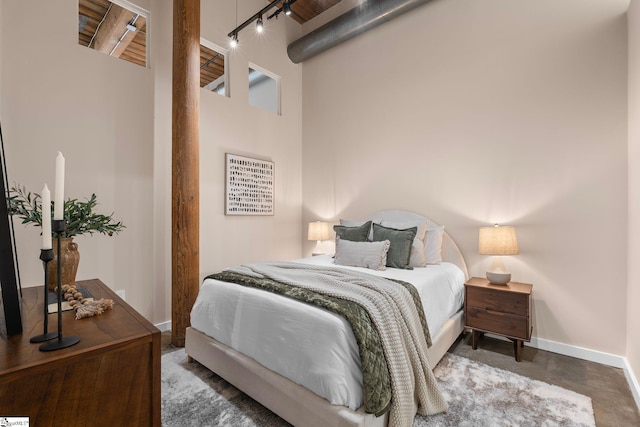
613 403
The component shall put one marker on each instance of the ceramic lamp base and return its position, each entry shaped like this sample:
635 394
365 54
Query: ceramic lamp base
498 273
498 278
318 249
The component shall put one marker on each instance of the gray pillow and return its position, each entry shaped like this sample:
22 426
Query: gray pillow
352 223
354 234
371 255
399 253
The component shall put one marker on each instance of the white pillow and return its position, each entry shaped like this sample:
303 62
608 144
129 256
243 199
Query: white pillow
433 245
371 255
418 258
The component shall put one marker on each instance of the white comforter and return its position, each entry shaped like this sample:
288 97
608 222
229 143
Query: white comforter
275 331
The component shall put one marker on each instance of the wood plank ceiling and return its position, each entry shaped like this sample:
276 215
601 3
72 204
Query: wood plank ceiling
119 32
305 10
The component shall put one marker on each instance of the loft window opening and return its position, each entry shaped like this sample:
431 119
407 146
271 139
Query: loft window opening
117 28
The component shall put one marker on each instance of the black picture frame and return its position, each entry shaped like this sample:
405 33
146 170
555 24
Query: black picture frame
9 277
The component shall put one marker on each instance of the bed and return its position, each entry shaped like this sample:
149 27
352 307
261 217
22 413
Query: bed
243 352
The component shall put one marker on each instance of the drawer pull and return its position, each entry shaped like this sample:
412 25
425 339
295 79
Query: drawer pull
497 313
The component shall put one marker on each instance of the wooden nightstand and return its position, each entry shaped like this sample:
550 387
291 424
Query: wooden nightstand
499 309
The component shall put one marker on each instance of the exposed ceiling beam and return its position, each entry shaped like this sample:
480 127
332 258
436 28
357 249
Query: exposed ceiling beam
112 36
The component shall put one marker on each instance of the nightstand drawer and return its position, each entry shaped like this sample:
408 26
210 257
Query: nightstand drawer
497 300
498 322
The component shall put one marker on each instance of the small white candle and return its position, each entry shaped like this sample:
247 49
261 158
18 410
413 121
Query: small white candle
58 206
46 218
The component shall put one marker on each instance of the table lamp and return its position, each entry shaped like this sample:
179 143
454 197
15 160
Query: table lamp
498 240
318 231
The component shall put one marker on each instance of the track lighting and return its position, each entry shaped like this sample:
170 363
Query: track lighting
259 25
257 17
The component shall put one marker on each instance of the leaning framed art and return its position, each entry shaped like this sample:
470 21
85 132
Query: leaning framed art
9 274
249 186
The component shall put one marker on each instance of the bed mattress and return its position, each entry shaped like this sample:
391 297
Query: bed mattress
275 331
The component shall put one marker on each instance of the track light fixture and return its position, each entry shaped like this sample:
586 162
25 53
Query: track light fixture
257 17
259 25
234 40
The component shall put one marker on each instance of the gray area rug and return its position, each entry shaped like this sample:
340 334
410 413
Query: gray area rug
478 395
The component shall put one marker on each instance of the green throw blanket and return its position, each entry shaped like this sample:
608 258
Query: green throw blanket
375 373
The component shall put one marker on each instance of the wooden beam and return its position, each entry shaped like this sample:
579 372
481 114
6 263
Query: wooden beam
185 212
128 37
113 27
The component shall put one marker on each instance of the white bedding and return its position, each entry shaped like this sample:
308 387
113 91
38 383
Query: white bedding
271 329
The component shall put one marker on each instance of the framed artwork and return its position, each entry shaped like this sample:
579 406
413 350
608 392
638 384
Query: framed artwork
9 275
249 186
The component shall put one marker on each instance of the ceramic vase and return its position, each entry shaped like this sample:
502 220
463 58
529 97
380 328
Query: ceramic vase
70 259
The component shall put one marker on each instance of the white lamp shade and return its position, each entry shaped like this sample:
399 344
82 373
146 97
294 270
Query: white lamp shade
318 231
498 240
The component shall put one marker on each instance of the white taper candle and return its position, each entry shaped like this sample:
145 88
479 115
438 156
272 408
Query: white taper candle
58 206
46 218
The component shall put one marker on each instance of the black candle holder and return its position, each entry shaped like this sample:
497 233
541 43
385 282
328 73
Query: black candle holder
46 255
59 226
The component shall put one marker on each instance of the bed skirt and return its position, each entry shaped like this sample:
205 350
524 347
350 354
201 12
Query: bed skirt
291 401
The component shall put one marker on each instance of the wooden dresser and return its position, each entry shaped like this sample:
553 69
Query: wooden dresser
111 377
499 309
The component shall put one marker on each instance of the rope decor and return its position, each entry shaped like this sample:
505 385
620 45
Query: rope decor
83 306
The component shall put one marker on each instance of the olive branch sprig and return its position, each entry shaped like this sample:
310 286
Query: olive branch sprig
79 215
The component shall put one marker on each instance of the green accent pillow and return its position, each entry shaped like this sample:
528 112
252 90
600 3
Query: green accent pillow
399 253
354 234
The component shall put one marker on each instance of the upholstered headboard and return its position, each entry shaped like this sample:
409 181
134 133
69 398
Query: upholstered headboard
450 251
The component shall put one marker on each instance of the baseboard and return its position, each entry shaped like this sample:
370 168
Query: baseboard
572 351
578 352
164 326
632 379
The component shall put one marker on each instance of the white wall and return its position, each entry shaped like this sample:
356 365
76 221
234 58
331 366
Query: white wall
633 295
161 58
96 110
112 121
481 112
231 125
